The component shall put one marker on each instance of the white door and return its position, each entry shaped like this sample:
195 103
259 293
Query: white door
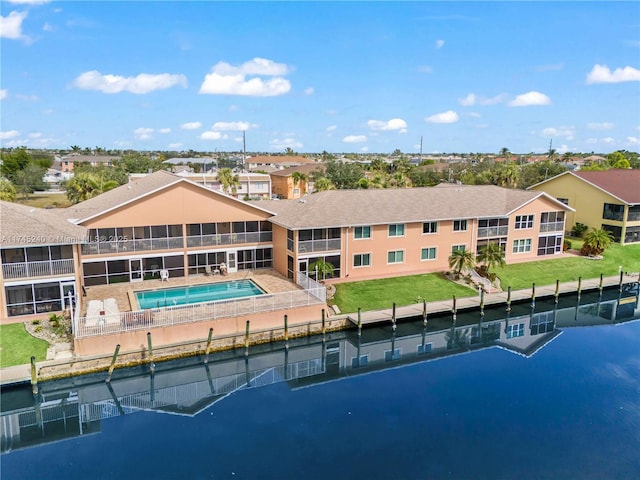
232 263
135 270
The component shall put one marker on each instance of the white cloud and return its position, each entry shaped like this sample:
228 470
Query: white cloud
602 74
445 117
140 84
3 93
608 140
564 132
600 126
355 139
230 126
175 146
633 140
191 125
473 99
226 79
530 98
391 125
439 43
9 134
233 108
143 133
309 91
164 130
209 135
11 25
331 128
282 144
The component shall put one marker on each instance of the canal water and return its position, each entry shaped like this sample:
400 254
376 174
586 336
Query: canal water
550 390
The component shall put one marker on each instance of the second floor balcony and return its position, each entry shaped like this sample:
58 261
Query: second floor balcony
487 232
222 239
552 227
127 246
323 245
47 268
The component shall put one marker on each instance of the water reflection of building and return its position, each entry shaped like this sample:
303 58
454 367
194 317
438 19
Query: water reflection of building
77 407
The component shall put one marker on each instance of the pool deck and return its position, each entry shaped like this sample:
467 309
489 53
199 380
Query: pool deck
268 280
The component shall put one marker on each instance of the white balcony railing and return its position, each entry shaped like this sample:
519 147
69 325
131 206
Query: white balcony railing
552 227
38 269
323 245
228 239
145 244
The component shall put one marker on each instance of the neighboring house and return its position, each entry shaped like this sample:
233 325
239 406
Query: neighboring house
283 185
270 163
255 186
608 199
40 257
368 234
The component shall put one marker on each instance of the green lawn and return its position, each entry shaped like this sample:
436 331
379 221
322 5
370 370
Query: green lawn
546 272
380 294
42 200
17 346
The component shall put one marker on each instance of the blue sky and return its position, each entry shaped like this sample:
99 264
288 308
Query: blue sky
314 76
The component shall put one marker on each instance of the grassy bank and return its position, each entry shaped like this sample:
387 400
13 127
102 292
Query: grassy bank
380 294
43 200
17 346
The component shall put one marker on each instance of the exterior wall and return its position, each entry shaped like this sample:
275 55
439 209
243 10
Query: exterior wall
588 201
283 187
535 208
136 341
280 252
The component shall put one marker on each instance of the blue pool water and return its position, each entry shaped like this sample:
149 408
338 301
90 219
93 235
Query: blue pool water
168 297
560 399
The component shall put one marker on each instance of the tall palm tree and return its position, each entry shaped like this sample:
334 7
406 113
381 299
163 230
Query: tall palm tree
298 177
461 260
596 242
491 255
84 186
228 180
323 183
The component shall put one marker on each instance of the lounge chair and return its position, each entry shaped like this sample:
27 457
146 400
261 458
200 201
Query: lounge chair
164 275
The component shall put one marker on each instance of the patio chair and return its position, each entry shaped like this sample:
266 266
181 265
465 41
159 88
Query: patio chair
164 275
207 270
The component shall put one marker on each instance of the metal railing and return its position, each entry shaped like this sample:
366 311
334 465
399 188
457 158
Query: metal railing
319 245
38 269
96 248
312 286
484 232
552 227
180 314
228 239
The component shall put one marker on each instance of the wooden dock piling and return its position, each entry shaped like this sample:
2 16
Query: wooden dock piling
113 363
208 348
246 338
508 298
152 366
34 376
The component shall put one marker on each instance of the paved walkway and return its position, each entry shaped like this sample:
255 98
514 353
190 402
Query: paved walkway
22 373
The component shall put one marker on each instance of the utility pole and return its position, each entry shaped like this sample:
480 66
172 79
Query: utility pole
420 148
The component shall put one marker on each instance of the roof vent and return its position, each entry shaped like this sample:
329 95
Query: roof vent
302 200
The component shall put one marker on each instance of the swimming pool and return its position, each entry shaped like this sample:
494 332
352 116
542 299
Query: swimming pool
209 292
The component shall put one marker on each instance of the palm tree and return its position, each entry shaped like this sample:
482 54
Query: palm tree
228 180
491 255
507 175
7 190
323 183
321 268
84 186
461 260
596 242
298 177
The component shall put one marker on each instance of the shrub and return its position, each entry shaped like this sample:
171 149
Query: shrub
579 229
567 245
35 322
38 329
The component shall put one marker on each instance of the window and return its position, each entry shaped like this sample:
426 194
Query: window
522 246
426 348
542 323
611 211
549 245
458 248
391 355
552 222
459 225
362 260
361 361
563 200
524 221
361 232
430 227
396 256
396 230
428 253
515 330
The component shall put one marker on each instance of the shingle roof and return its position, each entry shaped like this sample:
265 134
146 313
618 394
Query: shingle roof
336 208
621 183
279 159
21 225
123 194
307 168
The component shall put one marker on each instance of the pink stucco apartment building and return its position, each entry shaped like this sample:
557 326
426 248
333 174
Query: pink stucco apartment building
167 223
